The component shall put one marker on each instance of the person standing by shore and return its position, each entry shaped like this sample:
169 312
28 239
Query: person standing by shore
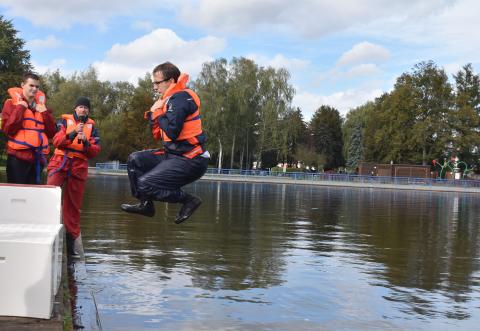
76 141
28 124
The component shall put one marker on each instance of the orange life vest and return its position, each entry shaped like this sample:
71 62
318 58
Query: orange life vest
32 134
76 147
192 125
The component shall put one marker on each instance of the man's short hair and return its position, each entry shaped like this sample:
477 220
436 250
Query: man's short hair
169 70
31 75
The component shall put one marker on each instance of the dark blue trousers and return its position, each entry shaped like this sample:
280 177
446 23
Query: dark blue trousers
157 176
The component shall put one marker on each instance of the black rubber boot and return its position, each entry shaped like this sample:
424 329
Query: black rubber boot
72 253
190 204
145 208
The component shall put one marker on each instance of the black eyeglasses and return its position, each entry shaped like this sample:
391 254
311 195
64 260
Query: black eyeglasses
160 81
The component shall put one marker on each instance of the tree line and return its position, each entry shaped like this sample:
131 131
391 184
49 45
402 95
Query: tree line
425 117
248 115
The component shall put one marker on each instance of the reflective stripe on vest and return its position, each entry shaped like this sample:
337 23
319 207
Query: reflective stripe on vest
75 149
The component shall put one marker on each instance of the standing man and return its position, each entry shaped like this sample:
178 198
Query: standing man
76 141
159 174
28 124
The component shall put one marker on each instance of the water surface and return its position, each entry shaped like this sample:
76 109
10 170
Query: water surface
285 257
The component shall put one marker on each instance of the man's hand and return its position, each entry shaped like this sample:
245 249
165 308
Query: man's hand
79 128
81 136
21 101
41 107
157 105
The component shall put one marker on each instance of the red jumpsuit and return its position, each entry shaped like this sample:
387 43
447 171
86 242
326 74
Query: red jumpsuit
71 173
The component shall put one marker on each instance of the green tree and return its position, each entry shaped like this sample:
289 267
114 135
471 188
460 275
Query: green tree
14 59
110 102
396 140
355 148
326 127
211 87
294 133
14 62
353 133
465 119
433 102
106 97
137 135
377 132
242 107
51 82
275 95
410 124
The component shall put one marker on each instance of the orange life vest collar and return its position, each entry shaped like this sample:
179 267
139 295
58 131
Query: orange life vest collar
16 92
180 85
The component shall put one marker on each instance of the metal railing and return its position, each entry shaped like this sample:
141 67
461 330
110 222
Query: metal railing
112 166
319 176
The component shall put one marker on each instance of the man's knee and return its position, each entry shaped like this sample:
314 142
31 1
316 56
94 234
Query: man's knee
157 192
144 187
133 157
142 183
134 160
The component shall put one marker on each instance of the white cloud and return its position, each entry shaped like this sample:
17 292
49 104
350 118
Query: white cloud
52 66
342 100
457 27
63 14
311 18
453 68
131 61
356 64
363 70
364 52
143 25
49 42
448 31
279 61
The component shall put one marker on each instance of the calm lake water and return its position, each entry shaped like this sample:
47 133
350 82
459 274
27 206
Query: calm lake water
285 257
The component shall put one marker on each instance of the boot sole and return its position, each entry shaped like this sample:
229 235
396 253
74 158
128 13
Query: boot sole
178 221
136 212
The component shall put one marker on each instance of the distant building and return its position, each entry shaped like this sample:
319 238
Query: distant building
394 170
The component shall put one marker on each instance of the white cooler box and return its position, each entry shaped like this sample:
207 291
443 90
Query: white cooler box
31 204
31 249
30 268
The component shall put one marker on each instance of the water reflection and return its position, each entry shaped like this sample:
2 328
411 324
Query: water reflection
266 256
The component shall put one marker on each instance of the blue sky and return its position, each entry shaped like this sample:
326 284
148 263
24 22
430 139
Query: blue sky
340 53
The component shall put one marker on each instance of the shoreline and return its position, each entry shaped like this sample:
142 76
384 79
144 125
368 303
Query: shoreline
284 180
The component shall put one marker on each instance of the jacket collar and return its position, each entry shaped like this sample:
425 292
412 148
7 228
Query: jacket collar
180 85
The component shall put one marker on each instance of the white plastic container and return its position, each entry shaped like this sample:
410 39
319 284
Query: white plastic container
30 268
34 204
31 249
